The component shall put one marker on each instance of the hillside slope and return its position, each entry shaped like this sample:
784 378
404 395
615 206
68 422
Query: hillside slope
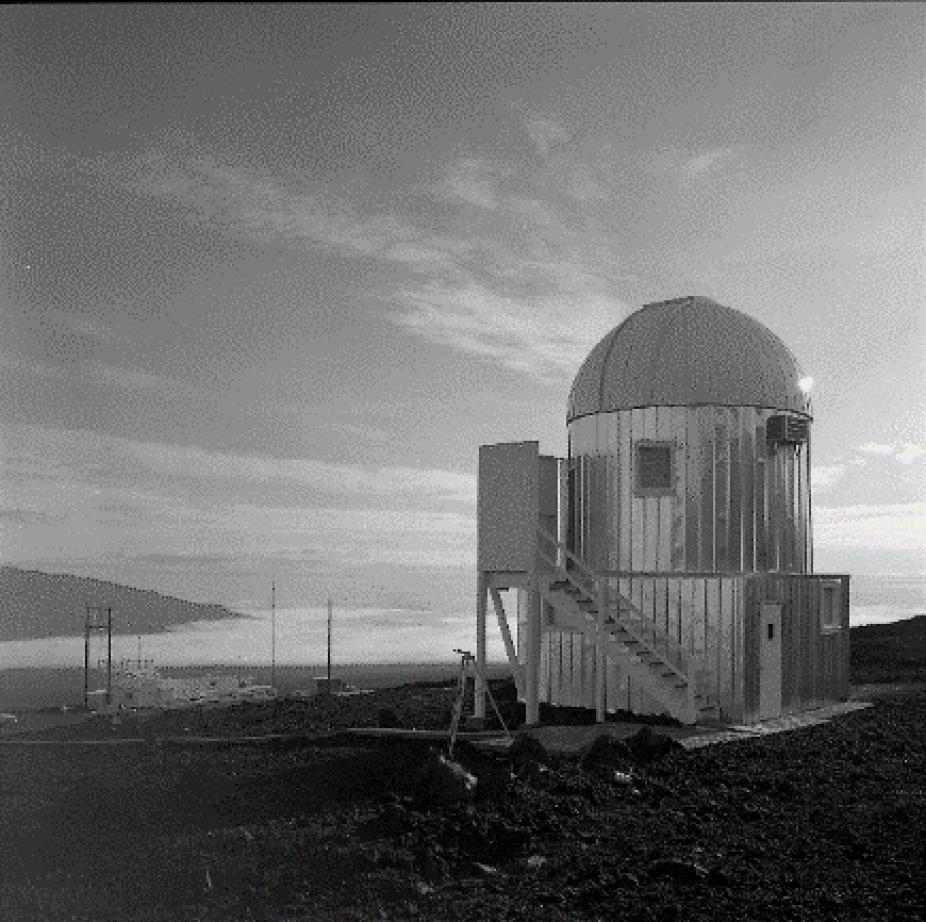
894 652
36 604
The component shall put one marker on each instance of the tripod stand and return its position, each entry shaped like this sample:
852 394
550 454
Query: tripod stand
468 660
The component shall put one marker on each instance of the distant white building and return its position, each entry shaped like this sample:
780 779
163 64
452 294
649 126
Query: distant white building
143 687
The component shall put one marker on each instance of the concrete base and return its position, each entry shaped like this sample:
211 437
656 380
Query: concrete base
571 739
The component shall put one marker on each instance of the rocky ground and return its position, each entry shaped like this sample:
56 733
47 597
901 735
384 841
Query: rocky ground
821 823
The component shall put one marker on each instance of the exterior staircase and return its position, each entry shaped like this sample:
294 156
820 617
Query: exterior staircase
636 644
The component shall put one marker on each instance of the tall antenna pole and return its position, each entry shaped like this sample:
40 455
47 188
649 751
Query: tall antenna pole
87 656
329 646
273 635
109 656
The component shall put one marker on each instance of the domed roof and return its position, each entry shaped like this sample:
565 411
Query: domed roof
687 352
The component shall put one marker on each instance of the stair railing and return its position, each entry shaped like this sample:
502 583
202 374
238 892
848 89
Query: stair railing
619 611
651 635
551 551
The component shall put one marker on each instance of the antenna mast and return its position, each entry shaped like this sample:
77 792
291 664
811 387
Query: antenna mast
273 635
329 646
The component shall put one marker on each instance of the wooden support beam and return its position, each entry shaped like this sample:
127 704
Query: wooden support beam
479 705
509 645
532 659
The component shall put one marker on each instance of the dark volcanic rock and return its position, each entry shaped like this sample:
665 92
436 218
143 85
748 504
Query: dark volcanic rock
605 751
527 753
332 830
442 781
645 746
386 717
687 872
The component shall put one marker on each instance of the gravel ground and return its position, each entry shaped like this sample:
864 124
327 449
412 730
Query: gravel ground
821 823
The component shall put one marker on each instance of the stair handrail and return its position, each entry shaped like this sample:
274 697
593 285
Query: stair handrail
673 653
676 659
591 592
659 642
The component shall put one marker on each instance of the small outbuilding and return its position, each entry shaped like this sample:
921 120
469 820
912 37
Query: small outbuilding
666 564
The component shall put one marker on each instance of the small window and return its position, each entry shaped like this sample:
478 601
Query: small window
771 630
830 606
654 468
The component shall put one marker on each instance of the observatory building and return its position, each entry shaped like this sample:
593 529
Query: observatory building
666 565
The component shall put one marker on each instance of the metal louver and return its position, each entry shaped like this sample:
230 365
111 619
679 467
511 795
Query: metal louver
790 430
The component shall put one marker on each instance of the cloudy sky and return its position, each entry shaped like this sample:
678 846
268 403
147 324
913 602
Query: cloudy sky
270 275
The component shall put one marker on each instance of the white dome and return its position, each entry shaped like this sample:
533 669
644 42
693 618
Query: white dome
687 352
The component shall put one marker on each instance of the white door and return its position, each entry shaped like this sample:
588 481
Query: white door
770 660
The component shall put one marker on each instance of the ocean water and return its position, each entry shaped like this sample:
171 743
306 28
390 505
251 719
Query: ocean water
369 635
881 599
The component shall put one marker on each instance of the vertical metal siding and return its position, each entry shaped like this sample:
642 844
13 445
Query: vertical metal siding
754 588
725 669
544 691
610 448
665 536
748 451
677 503
711 616
739 646
721 494
737 505
761 503
735 493
692 493
708 511
622 473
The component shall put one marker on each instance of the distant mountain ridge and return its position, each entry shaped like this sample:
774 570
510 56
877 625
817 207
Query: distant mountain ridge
34 604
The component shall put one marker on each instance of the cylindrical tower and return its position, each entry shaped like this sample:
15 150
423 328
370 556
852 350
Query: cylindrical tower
689 446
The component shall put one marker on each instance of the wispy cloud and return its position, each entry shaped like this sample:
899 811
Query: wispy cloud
687 166
231 199
910 453
824 476
142 498
904 452
708 162
893 526
92 458
877 448
80 323
471 180
515 289
545 132
27 517
127 377
545 338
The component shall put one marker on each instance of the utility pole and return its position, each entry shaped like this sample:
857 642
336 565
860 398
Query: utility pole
273 635
87 657
109 656
98 618
329 646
